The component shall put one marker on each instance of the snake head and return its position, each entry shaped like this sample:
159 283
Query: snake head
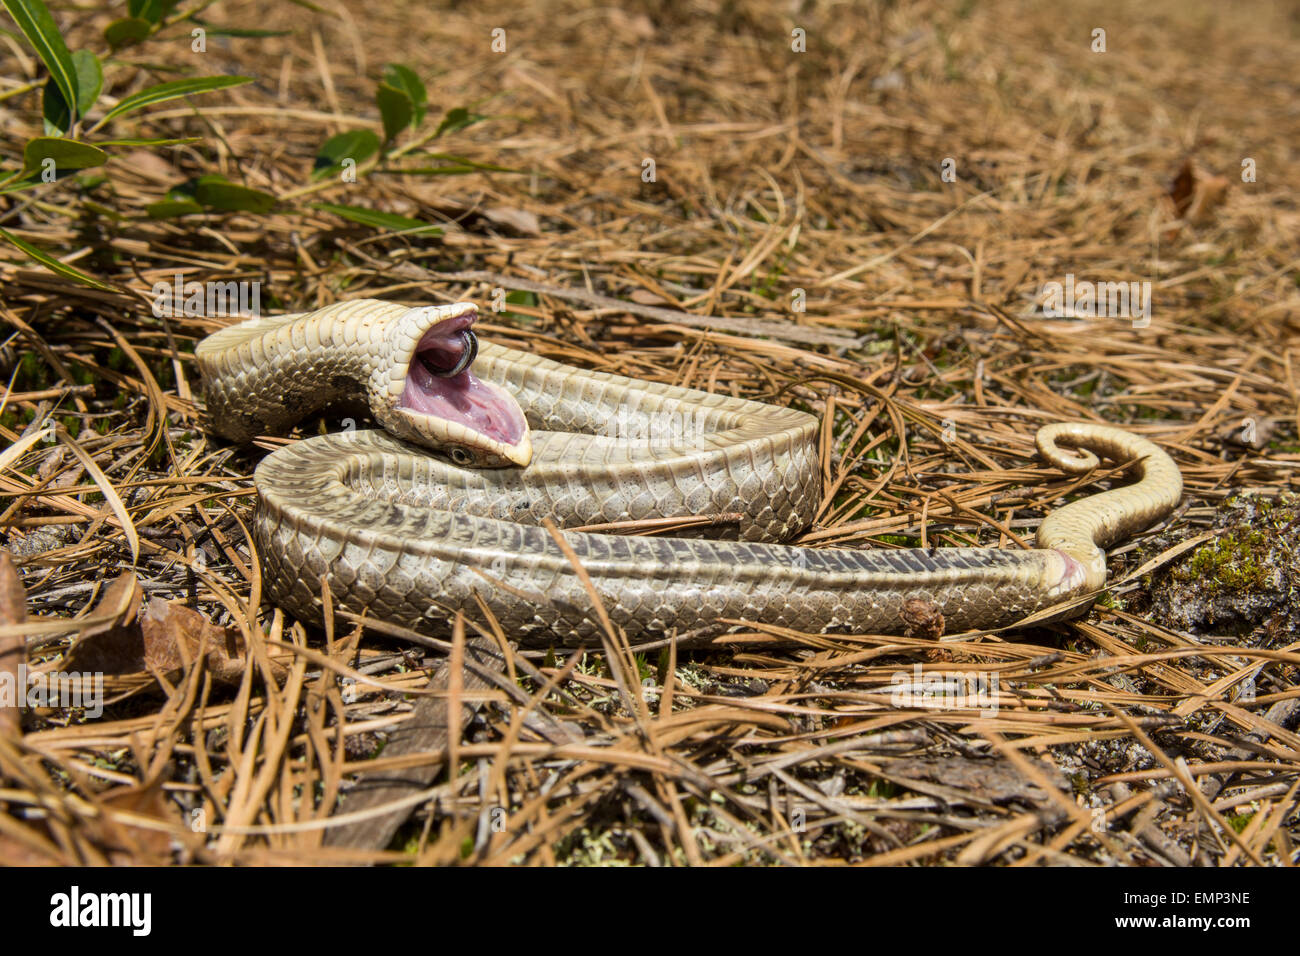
428 394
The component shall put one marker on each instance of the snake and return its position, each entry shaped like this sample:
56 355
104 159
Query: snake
496 474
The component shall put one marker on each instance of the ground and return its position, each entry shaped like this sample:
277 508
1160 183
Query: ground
945 183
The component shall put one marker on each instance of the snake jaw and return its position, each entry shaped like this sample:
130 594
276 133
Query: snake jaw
436 400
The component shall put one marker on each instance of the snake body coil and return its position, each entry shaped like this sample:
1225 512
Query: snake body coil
406 537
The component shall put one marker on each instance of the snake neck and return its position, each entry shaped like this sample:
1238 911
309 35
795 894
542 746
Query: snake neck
256 379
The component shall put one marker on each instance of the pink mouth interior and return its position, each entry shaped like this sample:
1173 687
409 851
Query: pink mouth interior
461 398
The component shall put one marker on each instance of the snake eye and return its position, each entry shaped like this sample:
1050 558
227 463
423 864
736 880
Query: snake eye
460 456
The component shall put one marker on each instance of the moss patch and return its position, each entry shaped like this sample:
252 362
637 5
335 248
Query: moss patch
1246 580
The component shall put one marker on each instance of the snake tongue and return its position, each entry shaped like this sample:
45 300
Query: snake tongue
440 385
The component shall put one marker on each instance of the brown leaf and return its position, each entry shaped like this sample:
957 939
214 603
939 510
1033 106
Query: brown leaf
13 649
175 634
1195 195
1182 188
139 845
120 603
519 220
646 297
1248 433
1211 191
112 644
15 852
165 637
149 165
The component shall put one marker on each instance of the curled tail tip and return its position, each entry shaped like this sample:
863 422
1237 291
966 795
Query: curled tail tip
1085 443
1081 528
1077 460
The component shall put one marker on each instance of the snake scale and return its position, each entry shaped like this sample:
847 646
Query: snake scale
438 511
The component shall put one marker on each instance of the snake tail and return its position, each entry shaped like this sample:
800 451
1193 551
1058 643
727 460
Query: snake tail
1082 528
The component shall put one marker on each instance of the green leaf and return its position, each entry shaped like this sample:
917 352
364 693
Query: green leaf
357 145
458 118
171 91
66 153
171 208
151 10
458 165
454 170
56 116
519 297
379 220
99 209
54 265
403 78
33 18
216 192
180 141
247 32
184 192
33 181
396 109
19 185
90 80
126 31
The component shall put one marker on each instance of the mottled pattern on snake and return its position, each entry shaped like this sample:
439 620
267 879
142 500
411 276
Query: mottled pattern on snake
406 536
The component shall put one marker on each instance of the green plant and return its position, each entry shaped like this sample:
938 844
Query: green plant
403 104
75 82
70 145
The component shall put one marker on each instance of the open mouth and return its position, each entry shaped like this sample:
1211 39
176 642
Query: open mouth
439 384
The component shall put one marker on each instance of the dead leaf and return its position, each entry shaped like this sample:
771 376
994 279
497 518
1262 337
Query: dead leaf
1249 433
638 25
118 606
1210 193
175 634
139 845
1194 195
646 297
27 852
164 638
149 165
1182 188
519 220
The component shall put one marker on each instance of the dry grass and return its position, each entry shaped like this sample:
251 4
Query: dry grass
1109 739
